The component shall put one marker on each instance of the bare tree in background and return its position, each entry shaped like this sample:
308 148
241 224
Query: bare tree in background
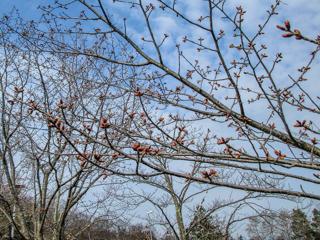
270 225
45 168
284 225
186 210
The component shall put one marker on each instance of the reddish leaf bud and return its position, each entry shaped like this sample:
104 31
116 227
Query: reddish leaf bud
213 172
138 93
115 155
18 90
161 119
131 115
287 35
223 141
135 146
141 148
204 174
287 25
104 123
97 157
281 28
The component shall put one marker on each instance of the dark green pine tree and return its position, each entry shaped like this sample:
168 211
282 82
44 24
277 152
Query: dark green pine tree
315 224
204 227
301 228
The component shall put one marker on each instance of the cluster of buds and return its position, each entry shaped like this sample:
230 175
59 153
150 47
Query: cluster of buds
161 119
138 93
97 157
104 123
173 144
61 104
181 135
272 126
189 73
223 141
237 154
150 7
289 33
314 141
210 173
18 89
301 124
87 127
287 94
179 140
280 156
147 149
185 39
228 150
56 122
32 106
240 10
132 114
83 157
115 155
143 117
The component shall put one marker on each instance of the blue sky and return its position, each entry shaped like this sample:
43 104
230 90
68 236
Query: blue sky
27 8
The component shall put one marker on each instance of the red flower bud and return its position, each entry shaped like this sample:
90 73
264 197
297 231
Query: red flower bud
135 146
281 28
18 90
161 119
287 35
213 172
131 115
97 157
141 149
204 174
279 154
287 24
104 123
223 141
138 93
115 155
